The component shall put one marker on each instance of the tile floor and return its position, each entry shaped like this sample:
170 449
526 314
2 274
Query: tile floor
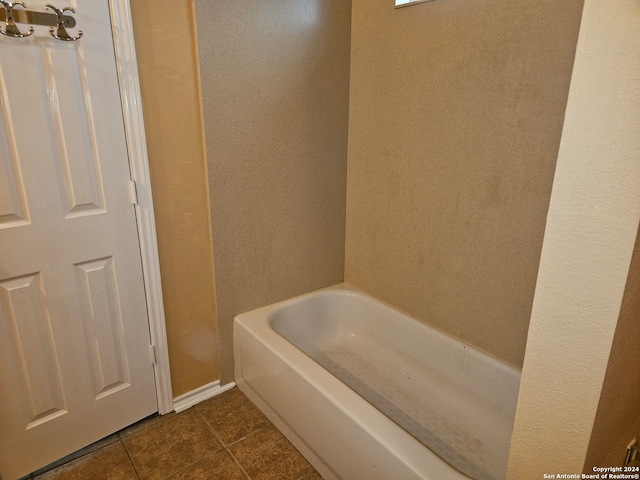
225 438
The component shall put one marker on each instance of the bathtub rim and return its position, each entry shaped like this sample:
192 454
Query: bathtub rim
349 289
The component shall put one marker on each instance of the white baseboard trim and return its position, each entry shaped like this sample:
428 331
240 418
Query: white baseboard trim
201 394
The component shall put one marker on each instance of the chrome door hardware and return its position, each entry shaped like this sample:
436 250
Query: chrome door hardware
59 32
12 30
59 21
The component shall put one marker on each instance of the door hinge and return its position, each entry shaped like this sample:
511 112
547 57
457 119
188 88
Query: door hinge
152 349
133 192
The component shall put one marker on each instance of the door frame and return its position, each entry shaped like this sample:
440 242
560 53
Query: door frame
128 78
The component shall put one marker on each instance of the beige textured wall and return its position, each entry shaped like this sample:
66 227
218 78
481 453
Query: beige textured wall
275 80
167 60
618 416
456 112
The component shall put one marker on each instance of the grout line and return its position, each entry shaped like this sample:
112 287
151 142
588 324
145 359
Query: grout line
213 431
135 469
191 465
226 445
238 464
223 446
248 435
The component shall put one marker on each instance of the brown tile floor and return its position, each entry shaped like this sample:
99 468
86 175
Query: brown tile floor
225 438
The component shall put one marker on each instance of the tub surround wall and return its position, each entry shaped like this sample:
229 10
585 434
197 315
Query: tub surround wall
275 100
456 111
167 62
618 416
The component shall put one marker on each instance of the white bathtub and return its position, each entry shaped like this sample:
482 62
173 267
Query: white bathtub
310 362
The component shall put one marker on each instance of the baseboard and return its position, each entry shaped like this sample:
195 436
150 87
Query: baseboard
201 394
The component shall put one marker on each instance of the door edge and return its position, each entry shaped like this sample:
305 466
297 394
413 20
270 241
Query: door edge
129 82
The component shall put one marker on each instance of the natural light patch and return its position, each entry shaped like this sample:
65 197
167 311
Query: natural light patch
406 3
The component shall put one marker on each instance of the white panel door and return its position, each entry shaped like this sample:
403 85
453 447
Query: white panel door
75 362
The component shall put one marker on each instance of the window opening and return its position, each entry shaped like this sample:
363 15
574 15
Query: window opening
406 3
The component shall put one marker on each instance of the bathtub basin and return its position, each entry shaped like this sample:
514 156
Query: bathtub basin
367 392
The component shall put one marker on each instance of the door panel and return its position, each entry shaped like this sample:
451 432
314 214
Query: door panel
75 361
29 331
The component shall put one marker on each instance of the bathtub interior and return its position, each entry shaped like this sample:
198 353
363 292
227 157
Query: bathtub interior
453 398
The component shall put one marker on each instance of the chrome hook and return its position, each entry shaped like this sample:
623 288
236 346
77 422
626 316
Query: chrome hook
12 29
59 32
